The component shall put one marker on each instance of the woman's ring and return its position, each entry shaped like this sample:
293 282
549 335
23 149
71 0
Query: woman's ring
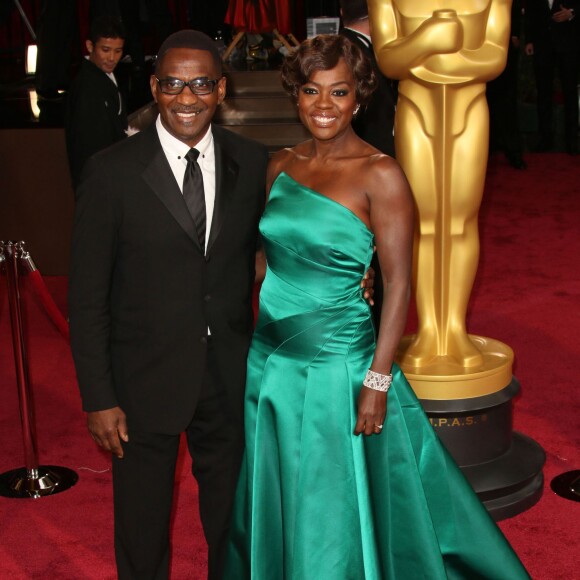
379 426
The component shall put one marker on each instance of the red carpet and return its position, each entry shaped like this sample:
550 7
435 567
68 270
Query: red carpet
527 295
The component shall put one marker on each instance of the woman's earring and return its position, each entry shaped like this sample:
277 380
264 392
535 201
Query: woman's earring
355 110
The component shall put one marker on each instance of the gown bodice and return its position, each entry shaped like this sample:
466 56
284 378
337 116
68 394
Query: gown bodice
318 253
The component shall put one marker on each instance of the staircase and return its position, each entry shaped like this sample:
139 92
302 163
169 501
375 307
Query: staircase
255 106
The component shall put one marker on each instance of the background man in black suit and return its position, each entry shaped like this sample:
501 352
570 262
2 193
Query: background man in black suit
552 36
375 122
161 312
96 113
502 98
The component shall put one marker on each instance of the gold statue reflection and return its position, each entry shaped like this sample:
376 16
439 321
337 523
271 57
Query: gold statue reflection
443 52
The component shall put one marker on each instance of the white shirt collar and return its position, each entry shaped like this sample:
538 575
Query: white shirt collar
361 34
175 148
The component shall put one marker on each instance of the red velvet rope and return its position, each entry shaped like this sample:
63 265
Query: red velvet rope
50 307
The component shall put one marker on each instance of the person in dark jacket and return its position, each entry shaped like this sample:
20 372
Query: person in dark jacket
96 114
373 123
553 39
502 98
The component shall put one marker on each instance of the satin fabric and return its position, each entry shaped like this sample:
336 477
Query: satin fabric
314 501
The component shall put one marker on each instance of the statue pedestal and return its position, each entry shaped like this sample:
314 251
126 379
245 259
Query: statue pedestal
471 412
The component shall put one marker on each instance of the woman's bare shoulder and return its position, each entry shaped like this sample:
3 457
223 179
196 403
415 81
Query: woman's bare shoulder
385 175
276 165
281 160
380 165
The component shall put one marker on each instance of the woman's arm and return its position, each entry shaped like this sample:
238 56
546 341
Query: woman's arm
392 218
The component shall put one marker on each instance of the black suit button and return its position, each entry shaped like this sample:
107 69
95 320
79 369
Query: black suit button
203 340
207 297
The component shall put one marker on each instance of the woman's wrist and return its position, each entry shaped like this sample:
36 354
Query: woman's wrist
377 381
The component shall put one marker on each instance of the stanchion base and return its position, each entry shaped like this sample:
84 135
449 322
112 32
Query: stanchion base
567 485
35 483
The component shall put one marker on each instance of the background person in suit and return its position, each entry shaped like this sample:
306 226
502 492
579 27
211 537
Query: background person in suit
161 313
96 113
57 33
502 98
373 123
552 37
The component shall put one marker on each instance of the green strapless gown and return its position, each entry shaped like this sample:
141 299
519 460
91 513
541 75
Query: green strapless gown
314 501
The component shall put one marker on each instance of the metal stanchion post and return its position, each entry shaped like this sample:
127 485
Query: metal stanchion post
33 480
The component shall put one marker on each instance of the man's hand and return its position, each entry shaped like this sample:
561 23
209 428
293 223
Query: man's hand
368 283
106 427
563 14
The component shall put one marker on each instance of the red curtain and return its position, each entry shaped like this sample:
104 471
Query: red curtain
257 16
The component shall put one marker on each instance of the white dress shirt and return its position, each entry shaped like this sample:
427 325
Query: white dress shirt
176 150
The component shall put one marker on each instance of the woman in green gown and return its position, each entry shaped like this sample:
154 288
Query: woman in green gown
343 476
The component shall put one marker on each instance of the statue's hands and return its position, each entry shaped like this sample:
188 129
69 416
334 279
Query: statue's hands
449 68
443 32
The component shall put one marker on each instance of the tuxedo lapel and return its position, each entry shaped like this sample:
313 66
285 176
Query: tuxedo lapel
226 172
160 178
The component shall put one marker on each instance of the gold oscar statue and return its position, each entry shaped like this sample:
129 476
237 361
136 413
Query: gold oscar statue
444 52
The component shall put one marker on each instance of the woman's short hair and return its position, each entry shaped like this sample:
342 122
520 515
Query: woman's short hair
323 53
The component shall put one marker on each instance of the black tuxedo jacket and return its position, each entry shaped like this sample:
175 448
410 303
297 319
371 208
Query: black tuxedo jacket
95 116
546 34
142 293
374 123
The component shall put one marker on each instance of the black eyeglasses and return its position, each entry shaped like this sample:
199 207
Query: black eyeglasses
200 86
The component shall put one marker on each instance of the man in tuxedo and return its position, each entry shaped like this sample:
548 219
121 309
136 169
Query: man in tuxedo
162 271
552 35
96 113
375 122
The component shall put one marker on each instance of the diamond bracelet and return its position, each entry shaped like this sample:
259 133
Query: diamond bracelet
378 382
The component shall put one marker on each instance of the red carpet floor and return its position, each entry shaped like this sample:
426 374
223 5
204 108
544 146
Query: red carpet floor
527 295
